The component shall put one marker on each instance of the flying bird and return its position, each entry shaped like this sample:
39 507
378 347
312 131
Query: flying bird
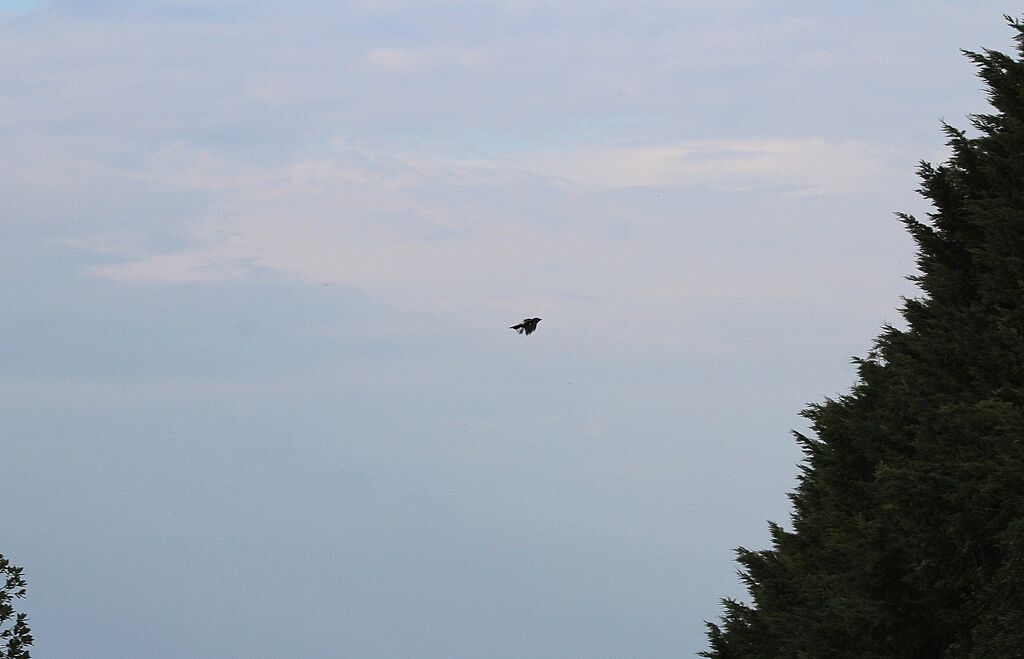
527 326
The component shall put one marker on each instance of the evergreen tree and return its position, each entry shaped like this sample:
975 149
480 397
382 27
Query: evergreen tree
15 639
907 532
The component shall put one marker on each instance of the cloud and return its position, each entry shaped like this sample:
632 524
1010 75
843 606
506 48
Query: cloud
409 60
542 229
804 166
399 59
207 264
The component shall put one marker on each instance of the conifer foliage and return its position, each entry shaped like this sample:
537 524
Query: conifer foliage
907 532
14 638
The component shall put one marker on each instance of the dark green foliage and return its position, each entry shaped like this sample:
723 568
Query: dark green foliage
908 522
15 639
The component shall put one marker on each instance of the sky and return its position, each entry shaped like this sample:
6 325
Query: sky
258 394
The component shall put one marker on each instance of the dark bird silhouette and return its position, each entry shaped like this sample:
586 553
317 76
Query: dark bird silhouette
527 326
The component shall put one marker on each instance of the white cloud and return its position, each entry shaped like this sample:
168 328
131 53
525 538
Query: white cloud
808 166
408 60
204 264
399 59
541 229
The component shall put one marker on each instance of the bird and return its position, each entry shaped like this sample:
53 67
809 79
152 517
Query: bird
527 326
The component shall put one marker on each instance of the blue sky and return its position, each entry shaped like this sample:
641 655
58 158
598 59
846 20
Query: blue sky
257 392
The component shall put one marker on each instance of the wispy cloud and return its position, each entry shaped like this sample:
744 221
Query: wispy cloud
420 229
800 166
409 60
399 59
